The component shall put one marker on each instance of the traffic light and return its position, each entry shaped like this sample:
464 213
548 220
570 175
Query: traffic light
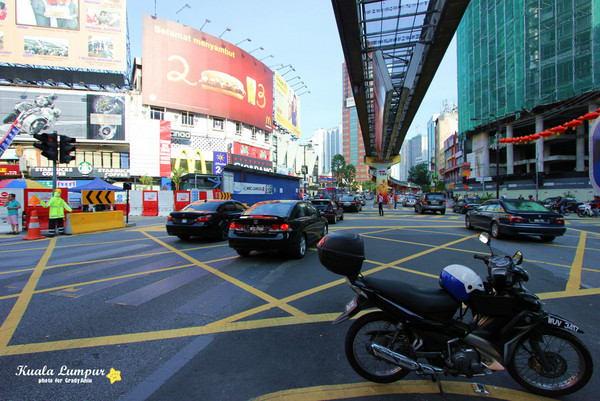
66 147
48 145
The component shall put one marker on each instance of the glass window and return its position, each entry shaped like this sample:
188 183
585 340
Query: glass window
218 124
187 118
238 128
157 113
202 207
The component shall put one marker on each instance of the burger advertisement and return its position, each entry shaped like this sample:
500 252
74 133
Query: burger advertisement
186 69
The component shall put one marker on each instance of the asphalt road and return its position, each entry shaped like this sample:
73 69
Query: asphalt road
135 314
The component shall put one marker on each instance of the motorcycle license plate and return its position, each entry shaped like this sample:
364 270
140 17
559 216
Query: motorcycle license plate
350 307
563 323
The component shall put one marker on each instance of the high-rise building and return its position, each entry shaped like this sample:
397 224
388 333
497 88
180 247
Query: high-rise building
327 143
353 147
525 67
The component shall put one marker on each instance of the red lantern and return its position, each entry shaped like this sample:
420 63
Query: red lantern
466 187
558 130
545 134
535 137
573 124
589 116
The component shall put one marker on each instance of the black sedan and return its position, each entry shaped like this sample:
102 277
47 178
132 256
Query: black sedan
282 225
516 216
204 218
332 210
350 203
465 204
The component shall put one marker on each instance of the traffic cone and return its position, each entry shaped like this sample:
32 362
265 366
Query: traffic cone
33 231
111 207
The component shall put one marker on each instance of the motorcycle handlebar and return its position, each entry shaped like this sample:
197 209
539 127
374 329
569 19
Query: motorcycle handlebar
482 257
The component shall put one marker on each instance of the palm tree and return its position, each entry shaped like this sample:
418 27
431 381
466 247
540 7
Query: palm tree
146 180
176 176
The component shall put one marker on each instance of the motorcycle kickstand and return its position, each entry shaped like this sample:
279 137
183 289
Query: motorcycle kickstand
436 378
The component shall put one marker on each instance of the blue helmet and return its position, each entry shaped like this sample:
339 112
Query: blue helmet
460 281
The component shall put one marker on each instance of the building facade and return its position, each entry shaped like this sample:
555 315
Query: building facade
353 148
327 143
525 67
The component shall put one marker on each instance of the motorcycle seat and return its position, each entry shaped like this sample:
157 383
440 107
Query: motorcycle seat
424 301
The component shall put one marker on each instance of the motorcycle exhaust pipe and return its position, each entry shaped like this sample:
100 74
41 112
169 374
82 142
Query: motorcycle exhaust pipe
404 361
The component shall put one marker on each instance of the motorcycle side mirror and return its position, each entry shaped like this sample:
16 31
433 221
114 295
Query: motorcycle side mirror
518 258
484 237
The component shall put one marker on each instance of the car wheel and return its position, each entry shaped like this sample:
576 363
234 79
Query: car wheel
468 222
547 238
300 250
223 232
243 252
495 230
443 212
183 237
335 219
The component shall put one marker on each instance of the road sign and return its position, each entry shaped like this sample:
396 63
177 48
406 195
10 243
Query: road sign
97 197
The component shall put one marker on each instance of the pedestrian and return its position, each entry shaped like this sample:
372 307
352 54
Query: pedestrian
560 204
13 207
56 216
520 197
380 202
530 197
395 200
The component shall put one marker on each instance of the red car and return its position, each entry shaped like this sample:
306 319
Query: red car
333 212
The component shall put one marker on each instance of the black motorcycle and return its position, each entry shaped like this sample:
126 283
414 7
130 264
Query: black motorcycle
431 332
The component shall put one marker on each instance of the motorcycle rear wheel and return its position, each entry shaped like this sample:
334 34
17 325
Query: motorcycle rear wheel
570 362
379 328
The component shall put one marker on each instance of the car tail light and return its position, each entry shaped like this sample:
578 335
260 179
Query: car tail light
444 202
235 226
203 219
169 218
516 219
560 220
280 227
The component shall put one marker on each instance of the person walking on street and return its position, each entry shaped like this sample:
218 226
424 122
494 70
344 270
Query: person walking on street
380 202
56 216
13 207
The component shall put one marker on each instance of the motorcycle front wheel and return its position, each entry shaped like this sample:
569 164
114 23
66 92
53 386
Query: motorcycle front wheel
568 363
381 329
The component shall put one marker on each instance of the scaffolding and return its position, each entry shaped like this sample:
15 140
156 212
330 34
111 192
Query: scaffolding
517 55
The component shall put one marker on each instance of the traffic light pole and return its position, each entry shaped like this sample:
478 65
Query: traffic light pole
53 176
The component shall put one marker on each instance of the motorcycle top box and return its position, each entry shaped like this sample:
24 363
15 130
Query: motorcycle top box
342 253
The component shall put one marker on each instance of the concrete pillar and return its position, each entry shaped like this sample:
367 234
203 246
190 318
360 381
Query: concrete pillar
510 152
580 148
539 145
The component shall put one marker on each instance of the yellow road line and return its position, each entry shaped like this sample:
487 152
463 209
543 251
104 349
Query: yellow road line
356 390
260 294
14 317
574 283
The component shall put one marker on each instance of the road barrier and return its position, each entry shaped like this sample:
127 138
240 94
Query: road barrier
80 223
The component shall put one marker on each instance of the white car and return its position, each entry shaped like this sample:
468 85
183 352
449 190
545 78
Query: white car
409 201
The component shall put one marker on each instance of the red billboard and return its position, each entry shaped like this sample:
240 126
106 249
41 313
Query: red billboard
186 69
252 151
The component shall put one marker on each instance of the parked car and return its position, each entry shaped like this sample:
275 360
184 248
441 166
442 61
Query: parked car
430 202
362 199
282 225
463 205
516 216
350 203
409 201
204 218
332 210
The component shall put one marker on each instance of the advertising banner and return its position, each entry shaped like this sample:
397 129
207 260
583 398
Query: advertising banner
67 112
251 151
11 170
248 188
219 161
65 33
186 69
250 162
165 148
287 105
84 170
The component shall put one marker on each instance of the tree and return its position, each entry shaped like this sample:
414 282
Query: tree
349 174
338 165
146 181
176 175
419 174
440 186
369 185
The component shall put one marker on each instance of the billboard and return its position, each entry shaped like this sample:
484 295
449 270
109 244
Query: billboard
287 106
75 114
65 33
190 70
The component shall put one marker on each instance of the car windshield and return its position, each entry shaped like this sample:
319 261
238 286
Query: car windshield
435 196
524 206
202 207
473 201
348 199
269 208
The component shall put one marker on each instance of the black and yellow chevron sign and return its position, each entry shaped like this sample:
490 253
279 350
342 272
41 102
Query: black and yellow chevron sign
224 195
97 197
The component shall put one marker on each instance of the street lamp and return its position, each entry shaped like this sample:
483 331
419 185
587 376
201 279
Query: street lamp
242 41
270 55
206 21
226 30
177 13
258 48
288 71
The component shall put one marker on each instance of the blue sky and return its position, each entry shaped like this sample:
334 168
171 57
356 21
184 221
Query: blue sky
301 33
